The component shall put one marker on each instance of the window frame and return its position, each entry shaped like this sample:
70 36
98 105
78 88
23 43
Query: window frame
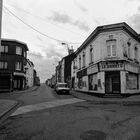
4 49
111 44
4 65
18 50
18 66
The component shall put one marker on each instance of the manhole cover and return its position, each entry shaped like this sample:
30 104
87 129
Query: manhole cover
93 135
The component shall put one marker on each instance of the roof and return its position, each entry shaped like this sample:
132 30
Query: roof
106 28
14 40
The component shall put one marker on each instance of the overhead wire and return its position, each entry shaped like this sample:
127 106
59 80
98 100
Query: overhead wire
30 26
45 20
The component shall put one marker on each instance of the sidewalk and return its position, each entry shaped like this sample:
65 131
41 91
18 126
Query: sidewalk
8 100
133 99
6 106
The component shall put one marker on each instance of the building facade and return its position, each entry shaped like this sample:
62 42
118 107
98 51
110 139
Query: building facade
29 73
12 65
108 61
63 70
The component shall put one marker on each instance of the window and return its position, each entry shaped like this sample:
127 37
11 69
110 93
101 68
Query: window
131 81
18 66
3 65
91 54
129 51
4 48
24 54
18 50
84 59
136 53
111 48
79 62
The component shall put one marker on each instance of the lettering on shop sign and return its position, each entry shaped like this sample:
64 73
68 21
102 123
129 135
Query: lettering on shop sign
92 69
111 66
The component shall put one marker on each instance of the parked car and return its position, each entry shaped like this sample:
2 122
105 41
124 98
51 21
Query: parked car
62 88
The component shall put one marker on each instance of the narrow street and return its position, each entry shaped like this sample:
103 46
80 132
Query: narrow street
78 120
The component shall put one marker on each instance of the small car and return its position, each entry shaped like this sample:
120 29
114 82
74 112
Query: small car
62 88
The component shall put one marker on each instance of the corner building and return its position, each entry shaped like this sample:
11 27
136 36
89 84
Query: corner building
108 61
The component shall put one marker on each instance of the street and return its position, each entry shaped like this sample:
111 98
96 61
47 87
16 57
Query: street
70 119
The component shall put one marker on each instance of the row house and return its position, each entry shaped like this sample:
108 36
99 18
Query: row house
29 74
36 79
63 69
13 59
108 61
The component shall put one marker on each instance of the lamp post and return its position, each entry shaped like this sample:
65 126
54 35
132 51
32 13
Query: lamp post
63 43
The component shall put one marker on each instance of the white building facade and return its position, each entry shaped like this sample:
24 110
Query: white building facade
108 61
29 74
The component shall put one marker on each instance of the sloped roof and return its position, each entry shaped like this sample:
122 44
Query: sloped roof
17 41
106 28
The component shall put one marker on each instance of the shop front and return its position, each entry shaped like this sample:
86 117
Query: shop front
5 81
19 81
121 77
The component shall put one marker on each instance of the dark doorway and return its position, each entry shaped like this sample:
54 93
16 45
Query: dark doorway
112 82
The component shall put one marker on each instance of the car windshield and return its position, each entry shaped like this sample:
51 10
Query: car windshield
62 85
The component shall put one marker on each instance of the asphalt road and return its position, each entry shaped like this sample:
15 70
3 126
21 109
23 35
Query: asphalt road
76 121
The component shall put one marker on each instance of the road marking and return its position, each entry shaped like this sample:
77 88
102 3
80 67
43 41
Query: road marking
45 105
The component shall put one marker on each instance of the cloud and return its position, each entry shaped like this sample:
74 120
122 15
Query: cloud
80 6
134 21
35 55
66 19
139 9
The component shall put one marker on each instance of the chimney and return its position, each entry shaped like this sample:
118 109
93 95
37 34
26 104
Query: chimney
70 51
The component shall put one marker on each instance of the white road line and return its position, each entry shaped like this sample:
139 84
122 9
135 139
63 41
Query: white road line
45 105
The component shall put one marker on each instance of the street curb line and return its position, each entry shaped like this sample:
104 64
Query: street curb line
109 102
8 110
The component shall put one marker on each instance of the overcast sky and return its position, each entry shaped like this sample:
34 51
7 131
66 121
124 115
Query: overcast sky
57 21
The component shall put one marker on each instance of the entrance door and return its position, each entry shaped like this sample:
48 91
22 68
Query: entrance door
112 82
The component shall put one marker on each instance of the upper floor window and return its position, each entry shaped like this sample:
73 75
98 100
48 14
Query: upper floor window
18 66
91 54
24 54
3 65
79 62
111 48
18 50
129 49
136 53
84 59
4 49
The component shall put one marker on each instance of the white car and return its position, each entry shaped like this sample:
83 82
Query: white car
62 88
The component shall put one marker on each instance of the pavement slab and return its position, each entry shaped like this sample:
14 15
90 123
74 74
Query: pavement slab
6 106
45 105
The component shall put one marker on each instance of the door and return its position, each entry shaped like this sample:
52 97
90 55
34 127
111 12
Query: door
112 82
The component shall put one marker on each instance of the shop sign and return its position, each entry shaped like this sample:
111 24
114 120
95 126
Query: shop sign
110 66
82 73
92 69
132 68
19 74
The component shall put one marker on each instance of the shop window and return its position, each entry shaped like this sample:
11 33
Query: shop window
80 83
111 48
93 82
3 65
4 49
131 81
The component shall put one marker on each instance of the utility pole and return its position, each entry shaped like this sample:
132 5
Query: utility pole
1 5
